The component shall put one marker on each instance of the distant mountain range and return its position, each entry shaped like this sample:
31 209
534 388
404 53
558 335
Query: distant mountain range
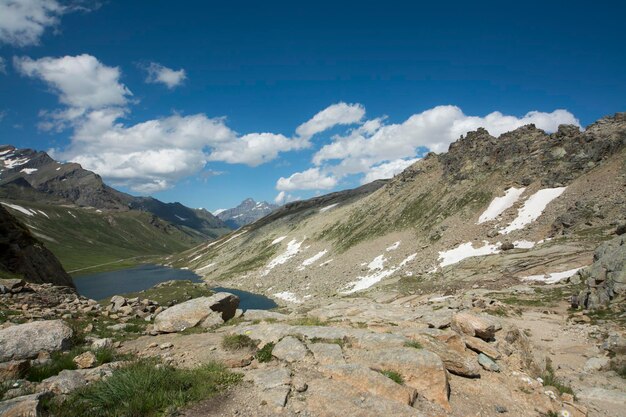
30 175
245 213
84 222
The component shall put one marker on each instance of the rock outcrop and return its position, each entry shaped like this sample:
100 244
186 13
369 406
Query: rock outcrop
203 311
605 279
25 341
24 255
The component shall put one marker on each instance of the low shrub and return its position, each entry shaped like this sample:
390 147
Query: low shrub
265 353
237 342
394 376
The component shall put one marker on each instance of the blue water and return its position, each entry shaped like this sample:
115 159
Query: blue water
106 284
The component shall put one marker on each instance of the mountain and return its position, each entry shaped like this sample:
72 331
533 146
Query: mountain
30 175
490 212
85 222
24 256
245 213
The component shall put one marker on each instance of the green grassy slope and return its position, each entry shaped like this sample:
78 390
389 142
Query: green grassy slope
87 240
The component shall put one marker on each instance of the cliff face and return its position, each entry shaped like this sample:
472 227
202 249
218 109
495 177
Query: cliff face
22 254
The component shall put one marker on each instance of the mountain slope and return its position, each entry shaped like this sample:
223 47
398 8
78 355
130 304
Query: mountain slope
23 255
245 213
28 175
446 222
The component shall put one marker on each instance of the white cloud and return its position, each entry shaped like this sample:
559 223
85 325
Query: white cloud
387 170
147 156
284 198
23 22
157 73
82 82
433 129
336 114
311 179
3 66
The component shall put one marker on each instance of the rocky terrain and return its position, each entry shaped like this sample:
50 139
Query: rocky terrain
486 281
245 213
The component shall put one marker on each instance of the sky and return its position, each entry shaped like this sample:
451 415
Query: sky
207 103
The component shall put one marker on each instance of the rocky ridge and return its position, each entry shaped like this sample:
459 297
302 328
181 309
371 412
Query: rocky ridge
245 213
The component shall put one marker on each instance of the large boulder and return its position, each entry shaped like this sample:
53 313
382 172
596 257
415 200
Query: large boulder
204 311
24 341
290 349
419 368
482 326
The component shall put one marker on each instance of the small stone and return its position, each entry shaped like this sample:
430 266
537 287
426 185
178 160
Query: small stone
85 360
88 328
487 363
153 345
167 345
299 384
500 409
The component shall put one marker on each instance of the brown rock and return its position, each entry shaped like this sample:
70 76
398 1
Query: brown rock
480 346
85 360
481 326
13 369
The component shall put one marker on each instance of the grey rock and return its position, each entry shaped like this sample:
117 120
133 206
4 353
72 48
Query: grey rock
597 364
290 349
264 315
101 343
487 363
179 317
24 406
65 382
25 341
326 353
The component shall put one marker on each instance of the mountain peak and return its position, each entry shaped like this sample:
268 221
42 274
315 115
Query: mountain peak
248 211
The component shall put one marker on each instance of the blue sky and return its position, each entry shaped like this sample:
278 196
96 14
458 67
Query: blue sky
207 103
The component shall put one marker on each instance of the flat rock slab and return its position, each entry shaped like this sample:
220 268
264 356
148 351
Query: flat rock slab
25 406
213 310
274 384
480 346
482 326
65 382
458 362
264 315
290 349
365 379
488 363
327 353
25 341
330 398
420 369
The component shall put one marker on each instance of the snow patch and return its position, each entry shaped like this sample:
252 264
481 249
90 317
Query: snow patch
205 267
367 281
326 262
466 250
180 218
71 214
236 235
293 248
394 246
288 296
408 259
278 240
21 209
28 171
323 209
500 204
553 277
377 263
314 258
196 258
44 213
524 244
533 208
218 211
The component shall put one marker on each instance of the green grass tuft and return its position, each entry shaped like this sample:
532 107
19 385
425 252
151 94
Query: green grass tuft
145 389
549 379
394 376
414 344
265 353
238 342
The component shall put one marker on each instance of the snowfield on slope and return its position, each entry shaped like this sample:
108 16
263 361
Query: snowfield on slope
552 277
466 250
533 208
500 204
21 209
293 247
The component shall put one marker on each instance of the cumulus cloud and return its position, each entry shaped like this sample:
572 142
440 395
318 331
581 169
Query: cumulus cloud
81 82
160 74
148 156
433 129
23 22
336 114
387 170
311 179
